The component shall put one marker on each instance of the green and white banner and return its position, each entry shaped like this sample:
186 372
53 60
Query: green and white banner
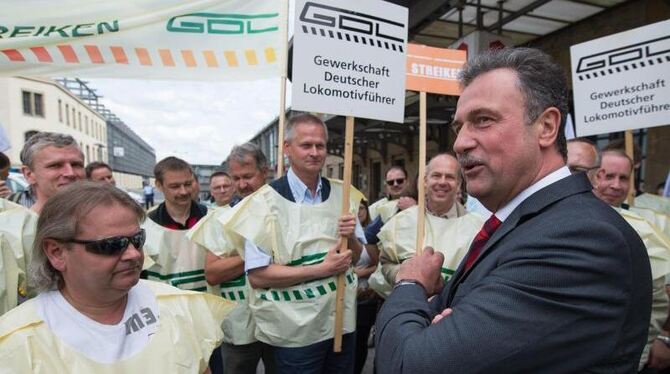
147 39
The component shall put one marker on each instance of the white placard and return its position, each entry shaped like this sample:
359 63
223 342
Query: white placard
349 58
622 81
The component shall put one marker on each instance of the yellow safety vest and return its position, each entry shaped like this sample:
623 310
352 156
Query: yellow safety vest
239 327
451 236
187 335
295 235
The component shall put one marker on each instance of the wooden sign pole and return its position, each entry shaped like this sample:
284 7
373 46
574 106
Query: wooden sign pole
282 99
421 186
631 154
346 187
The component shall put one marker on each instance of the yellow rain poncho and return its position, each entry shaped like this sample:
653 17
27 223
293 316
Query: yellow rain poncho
170 257
17 232
450 236
295 235
655 202
239 327
187 335
658 249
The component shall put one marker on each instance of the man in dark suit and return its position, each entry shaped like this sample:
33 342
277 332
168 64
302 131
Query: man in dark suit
556 281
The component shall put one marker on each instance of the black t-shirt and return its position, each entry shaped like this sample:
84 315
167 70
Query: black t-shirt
160 216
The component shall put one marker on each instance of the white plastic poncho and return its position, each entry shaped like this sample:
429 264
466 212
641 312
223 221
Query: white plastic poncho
187 335
170 257
17 229
452 237
655 202
239 327
295 235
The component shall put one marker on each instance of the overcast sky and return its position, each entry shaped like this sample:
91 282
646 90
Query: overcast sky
196 121
199 122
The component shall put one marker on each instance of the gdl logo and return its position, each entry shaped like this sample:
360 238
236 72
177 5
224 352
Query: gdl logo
355 27
224 24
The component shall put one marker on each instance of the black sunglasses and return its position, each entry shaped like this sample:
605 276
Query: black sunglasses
397 181
113 246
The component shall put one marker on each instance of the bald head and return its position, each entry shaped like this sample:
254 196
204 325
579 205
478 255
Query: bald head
443 179
583 157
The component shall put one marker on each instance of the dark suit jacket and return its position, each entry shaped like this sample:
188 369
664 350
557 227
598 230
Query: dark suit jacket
563 286
284 189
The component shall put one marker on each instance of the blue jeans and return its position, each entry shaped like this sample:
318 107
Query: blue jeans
318 358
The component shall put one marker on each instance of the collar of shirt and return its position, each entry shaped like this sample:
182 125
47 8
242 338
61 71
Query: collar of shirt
550 178
451 213
302 194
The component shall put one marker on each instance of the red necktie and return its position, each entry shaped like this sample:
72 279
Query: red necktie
490 226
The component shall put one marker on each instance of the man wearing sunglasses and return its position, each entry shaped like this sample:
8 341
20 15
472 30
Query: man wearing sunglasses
396 186
93 314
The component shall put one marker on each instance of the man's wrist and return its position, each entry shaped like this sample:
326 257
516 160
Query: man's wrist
664 339
408 282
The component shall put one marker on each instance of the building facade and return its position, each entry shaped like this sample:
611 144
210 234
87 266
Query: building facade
30 105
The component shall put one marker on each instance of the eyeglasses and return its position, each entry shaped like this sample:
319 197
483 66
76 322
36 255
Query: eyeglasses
577 169
113 246
397 181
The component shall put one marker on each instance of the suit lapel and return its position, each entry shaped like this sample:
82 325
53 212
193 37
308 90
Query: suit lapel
559 190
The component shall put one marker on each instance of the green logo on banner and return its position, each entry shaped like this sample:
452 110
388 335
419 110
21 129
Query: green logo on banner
225 24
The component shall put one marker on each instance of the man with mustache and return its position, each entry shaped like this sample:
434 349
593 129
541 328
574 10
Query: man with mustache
93 314
555 281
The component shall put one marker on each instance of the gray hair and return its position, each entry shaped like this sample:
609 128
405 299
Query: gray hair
60 218
540 79
241 152
297 119
44 139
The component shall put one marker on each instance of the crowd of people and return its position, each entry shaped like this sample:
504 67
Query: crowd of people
557 273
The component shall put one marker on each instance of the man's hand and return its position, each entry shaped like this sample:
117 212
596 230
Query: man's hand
439 317
346 226
405 202
336 263
425 269
4 190
659 355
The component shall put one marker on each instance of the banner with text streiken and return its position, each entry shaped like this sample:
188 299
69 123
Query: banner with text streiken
349 58
621 81
147 39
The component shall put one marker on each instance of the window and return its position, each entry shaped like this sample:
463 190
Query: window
67 114
60 110
33 104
